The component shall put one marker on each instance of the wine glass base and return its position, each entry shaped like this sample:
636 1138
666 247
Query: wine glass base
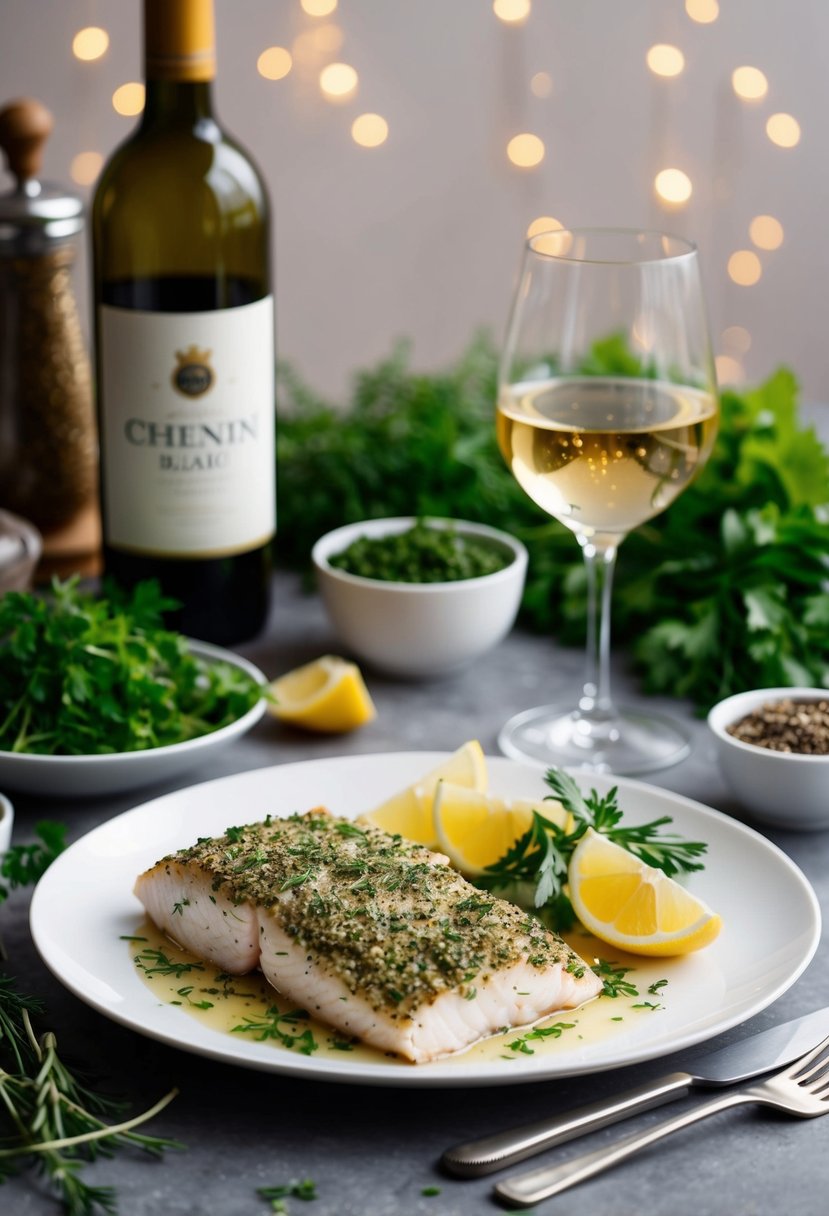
631 742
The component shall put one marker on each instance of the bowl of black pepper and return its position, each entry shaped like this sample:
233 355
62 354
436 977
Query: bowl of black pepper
420 598
772 746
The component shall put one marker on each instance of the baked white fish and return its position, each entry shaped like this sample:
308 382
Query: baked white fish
368 932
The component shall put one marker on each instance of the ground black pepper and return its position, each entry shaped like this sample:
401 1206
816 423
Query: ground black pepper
787 726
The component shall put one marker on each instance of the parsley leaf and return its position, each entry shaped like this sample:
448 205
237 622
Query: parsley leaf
533 872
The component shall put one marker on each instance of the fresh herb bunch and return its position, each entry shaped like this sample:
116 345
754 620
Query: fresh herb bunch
421 554
49 1120
722 592
83 675
539 859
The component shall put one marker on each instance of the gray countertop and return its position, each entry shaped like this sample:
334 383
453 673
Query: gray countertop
372 1151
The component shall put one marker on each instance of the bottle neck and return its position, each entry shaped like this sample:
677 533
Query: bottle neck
179 61
179 103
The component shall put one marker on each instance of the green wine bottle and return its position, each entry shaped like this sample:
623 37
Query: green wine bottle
184 338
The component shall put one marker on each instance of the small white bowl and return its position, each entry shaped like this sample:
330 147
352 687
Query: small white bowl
785 789
420 630
6 822
115 772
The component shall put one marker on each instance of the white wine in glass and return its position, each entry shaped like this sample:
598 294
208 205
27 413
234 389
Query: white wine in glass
607 409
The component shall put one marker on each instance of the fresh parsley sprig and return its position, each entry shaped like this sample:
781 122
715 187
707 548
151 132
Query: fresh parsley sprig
666 851
534 869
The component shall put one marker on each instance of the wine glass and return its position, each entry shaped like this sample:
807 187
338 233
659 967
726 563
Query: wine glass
607 408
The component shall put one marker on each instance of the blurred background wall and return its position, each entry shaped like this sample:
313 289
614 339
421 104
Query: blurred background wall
419 235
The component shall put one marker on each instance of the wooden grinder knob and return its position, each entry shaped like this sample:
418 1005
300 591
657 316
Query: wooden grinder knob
25 126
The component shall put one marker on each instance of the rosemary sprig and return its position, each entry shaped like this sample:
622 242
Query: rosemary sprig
50 1121
539 859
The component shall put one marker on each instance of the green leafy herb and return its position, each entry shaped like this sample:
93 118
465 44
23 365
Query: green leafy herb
155 962
26 863
724 591
613 979
429 1191
522 1043
80 675
423 553
539 859
50 1122
278 1195
285 1028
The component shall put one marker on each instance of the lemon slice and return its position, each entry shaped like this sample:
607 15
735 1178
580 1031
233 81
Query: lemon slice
475 829
632 905
328 695
410 812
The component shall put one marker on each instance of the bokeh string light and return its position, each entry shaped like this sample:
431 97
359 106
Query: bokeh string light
339 82
526 150
90 43
274 63
665 60
745 268
783 130
749 83
318 8
673 186
702 11
512 12
766 232
128 99
369 130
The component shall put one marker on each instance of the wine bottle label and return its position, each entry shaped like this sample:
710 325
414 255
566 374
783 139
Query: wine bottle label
187 430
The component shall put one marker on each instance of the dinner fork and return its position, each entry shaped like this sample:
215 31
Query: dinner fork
802 1089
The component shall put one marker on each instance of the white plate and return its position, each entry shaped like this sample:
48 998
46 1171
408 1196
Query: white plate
115 772
84 903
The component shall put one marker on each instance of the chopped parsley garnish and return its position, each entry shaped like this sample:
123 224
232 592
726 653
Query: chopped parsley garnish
284 1028
613 979
522 1043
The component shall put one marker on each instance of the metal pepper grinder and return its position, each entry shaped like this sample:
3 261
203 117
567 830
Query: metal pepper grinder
48 442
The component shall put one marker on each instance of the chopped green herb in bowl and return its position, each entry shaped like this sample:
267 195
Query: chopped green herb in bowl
422 554
420 599
96 695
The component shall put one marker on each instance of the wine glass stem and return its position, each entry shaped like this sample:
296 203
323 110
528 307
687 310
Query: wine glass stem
596 704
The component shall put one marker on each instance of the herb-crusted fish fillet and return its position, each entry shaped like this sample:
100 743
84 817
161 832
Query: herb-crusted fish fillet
375 935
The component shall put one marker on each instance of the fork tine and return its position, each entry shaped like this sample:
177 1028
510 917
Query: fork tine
800 1070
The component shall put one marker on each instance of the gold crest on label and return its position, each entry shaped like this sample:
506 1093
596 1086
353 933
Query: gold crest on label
193 376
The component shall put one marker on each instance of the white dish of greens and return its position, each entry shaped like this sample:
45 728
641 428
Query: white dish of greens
80 928
97 698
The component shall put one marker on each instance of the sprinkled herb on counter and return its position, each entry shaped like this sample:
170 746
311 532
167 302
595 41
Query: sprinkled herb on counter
421 554
787 726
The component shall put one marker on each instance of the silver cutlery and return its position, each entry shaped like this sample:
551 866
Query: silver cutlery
801 1090
749 1057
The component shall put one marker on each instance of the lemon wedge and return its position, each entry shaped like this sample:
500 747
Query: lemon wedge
475 829
634 906
328 695
410 813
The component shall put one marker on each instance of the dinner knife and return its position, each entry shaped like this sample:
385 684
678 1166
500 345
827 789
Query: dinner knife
748 1057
